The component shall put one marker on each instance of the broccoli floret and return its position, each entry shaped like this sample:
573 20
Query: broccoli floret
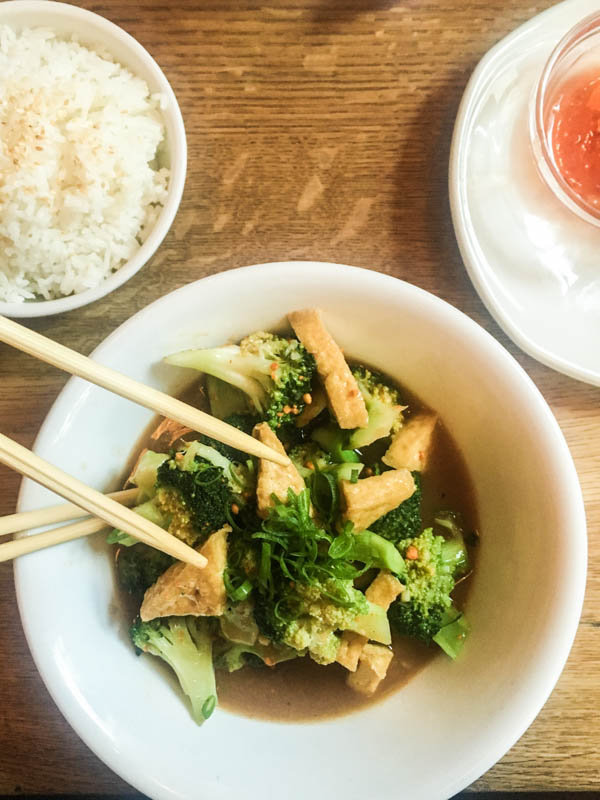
243 422
191 492
405 521
241 475
235 655
269 618
273 371
315 600
308 634
383 407
197 499
308 456
302 633
139 566
185 644
432 565
307 617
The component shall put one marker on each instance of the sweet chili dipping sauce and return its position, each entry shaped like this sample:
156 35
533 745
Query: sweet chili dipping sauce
574 123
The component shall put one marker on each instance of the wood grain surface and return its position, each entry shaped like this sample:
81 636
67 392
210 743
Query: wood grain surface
317 129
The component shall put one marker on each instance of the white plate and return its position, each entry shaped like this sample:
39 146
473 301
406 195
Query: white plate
454 720
534 264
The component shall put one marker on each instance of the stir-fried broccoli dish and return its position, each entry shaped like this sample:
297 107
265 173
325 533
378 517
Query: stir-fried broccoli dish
333 558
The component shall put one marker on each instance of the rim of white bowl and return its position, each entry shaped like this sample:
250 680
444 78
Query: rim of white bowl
465 237
573 586
177 145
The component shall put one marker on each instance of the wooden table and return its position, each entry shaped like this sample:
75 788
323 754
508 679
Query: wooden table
316 130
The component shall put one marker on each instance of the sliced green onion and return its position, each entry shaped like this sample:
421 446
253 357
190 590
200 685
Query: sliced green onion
241 593
341 545
325 495
264 570
209 706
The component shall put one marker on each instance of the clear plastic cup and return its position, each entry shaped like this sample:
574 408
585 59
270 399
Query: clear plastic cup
577 53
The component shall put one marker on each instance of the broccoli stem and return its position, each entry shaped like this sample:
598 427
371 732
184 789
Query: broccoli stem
227 364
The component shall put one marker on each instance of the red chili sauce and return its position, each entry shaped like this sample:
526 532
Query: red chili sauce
574 125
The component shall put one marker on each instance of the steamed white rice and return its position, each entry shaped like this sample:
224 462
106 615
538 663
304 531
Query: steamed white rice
79 187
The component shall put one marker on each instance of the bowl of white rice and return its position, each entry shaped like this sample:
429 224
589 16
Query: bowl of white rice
92 157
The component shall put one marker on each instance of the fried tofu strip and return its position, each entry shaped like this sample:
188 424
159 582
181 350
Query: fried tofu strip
351 646
384 589
382 592
343 393
273 479
411 445
372 669
371 498
184 589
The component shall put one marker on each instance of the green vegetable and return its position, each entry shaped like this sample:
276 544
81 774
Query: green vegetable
308 453
404 521
334 441
235 656
293 547
139 566
149 511
455 558
196 498
186 645
421 610
243 422
383 407
451 636
275 373
325 495
374 550
144 476
374 624
225 400
239 593
238 623
240 476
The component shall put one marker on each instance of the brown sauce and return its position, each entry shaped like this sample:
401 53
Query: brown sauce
303 691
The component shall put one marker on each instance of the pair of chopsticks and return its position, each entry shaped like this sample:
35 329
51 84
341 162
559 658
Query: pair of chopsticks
106 510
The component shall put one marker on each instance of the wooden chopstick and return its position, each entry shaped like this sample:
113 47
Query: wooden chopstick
59 356
38 541
13 523
95 503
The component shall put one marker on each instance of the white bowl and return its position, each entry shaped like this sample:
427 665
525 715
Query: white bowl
96 32
454 719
